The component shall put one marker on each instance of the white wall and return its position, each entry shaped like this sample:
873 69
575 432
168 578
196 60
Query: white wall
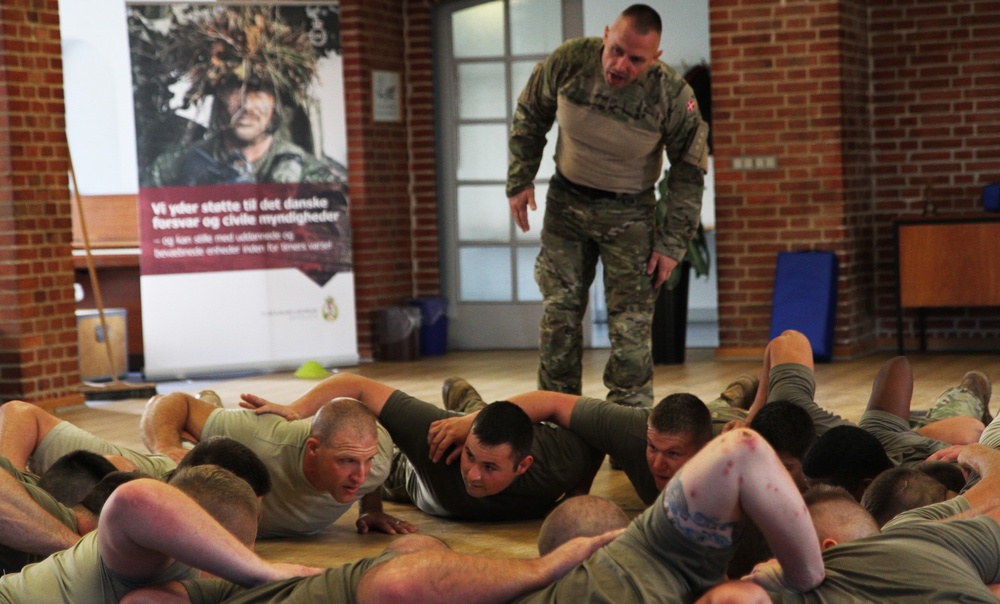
98 88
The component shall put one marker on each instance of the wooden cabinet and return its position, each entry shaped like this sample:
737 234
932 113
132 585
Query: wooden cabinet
946 261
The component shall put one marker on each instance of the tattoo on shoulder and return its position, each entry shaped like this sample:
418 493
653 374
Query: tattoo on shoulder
698 527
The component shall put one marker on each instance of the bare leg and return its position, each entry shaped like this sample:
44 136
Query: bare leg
22 428
168 418
893 388
958 430
789 347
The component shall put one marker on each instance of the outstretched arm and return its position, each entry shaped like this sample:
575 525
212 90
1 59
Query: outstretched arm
168 418
438 576
146 524
339 385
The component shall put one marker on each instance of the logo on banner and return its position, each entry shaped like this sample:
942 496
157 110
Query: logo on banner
330 310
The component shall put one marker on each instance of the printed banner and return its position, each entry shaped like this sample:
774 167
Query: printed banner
244 228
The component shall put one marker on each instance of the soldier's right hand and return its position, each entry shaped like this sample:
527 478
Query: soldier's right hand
519 205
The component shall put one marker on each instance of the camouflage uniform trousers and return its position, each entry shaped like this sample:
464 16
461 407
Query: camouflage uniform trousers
722 413
955 401
577 230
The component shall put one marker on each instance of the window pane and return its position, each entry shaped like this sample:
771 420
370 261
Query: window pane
527 289
484 274
547 168
478 87
534 218
520 71
535 26
478 30
483 213
482 152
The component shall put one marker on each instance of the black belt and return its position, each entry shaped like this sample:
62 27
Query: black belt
592 193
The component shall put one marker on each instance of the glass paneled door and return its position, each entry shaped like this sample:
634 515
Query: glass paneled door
484 53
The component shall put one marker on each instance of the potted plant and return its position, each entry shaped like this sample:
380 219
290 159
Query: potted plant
670 312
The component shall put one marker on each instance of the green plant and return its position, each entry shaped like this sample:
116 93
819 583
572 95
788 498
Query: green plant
697 256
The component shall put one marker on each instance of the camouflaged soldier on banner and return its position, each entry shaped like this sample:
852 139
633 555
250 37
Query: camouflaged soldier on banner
257 71
619 108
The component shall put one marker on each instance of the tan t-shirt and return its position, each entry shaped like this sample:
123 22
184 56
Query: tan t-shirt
294 506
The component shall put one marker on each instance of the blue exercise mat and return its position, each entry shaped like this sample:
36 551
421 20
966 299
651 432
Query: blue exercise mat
805 298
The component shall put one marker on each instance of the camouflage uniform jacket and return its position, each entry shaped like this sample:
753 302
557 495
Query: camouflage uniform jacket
209 162
656 112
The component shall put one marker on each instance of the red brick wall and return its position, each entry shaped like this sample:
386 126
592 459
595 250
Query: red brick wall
377 164
392 165
870 108
936 83
38 352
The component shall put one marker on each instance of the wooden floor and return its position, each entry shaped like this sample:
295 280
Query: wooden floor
842 386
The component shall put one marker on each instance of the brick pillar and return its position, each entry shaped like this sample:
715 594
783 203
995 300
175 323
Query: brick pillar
378 165
789 81
38 350
392 165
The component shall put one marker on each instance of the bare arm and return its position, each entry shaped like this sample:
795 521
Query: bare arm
446 436
340 385
25 525
738 474
146 524
431 577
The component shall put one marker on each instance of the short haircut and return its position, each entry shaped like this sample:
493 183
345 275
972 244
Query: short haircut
786 427
846 455
683 413
900 489
227 498
342 414
947 473
234 456
504 423
98 496
836 514
74 475
644 18
582 516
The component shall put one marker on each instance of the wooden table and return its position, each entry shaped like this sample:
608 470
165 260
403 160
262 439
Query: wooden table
946 262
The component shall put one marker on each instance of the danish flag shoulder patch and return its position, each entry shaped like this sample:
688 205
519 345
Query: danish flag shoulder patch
690 105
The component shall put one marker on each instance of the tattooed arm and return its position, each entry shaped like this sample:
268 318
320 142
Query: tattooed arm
738 475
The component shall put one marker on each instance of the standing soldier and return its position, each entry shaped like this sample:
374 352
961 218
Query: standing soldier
618 109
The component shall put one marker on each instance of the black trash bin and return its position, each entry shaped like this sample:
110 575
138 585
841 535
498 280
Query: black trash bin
670 321
398 334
